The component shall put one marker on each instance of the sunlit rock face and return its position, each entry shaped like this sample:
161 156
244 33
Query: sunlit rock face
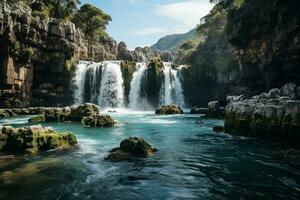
272 115
36 57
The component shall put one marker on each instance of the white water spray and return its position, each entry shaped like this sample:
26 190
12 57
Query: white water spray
111 89
135 99
171 91
79 80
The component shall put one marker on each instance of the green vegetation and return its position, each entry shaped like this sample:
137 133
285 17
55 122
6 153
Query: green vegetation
92 21
173 42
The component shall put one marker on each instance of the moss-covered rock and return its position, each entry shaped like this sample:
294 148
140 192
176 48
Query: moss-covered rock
37 119
97 120
33 139
128 68
169 110
152 81
129 148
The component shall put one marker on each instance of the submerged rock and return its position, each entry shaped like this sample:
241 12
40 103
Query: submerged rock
131 147
196 110
97 120
33 139
169 110
218 129
37 119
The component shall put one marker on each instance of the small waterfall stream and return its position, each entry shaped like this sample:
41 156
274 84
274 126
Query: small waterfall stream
103 84
135 99
111 88
171 90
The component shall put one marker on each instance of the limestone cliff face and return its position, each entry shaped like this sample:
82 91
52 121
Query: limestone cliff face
36 57
265 38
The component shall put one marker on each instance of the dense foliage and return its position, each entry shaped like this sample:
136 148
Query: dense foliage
90 19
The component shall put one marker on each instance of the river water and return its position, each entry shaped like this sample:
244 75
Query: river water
192 163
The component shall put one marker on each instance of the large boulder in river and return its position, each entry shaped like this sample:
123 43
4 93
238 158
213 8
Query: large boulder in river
131 147
97 120
71 113
84 110
33 139
169 110
37 119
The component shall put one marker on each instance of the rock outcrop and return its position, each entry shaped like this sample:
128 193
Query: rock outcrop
265 39
33 139
36 57
103 121
169 110
130 148
272 115
143 54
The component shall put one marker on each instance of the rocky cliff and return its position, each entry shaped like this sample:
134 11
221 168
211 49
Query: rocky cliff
212 71
265 39
39 55
36 57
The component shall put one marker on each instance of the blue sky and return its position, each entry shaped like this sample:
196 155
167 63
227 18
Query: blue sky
143 22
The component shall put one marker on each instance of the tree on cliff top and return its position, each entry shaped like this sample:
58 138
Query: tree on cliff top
92 21
62 9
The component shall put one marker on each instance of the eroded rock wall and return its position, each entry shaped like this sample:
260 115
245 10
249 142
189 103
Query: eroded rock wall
36 57
265 38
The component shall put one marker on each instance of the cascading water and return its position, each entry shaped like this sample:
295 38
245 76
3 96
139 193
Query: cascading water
136 101
111 89
99 83
79 80
171 91
102 83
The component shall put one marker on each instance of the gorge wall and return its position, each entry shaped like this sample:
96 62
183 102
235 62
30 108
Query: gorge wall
39 55
265 39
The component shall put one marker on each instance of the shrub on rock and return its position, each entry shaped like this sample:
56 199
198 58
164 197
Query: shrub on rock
33 139
169 110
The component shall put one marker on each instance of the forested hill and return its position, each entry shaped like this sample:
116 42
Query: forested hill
173 42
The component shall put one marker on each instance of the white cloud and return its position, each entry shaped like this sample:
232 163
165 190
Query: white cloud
149 31
186 13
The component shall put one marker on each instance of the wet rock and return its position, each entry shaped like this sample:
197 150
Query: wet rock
289 90
129 148
37 119
215 110
97 120
292 157
87 109
196 110
169 110
33 139
218 129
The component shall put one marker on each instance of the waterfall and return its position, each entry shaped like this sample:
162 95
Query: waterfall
111 89
79 80
171 91
135 99
102 83
99 83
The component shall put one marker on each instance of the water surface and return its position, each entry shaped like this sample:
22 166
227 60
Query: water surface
192 163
